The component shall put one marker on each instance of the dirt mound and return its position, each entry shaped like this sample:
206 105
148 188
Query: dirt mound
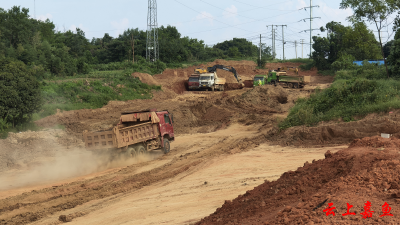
338 132
145 78
354 176
267 95
376 142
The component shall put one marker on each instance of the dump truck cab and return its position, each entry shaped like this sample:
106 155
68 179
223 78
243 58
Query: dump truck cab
194 82
259 80
272 77
210 81
207 80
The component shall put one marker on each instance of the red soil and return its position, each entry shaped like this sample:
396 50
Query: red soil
366 171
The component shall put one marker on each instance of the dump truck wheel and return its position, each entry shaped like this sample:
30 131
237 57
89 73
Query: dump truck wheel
290 85
140 151
131 153
296 85
166 147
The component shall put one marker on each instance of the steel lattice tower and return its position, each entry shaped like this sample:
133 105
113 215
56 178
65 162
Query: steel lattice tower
152 32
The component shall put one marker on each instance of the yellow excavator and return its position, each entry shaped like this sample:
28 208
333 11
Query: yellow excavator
284 69
200 71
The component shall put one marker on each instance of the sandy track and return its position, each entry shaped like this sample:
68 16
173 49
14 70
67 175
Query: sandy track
168 190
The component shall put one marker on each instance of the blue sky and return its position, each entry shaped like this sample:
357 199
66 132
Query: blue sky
211 21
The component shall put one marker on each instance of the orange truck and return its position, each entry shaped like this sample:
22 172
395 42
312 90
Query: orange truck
135 134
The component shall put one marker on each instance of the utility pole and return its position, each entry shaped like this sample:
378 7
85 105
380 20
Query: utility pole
133 48
295 47
152 53
311 18
302 42
273 41
260 47
283 40
34 9
273 30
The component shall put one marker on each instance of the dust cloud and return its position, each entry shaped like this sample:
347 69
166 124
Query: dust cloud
67 164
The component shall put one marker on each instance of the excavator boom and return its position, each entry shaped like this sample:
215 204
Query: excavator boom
227 68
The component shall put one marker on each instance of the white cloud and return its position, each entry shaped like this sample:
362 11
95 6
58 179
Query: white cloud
230 12
205 15
120 26
44 17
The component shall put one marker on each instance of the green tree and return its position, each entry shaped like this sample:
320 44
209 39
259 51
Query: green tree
245 48
234 52
320 55
387 47
20 94
374 11
355 40
394 56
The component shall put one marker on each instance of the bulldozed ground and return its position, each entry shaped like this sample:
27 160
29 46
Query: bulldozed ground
227 143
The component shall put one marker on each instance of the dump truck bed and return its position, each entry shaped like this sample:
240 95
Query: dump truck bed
221 81
124 135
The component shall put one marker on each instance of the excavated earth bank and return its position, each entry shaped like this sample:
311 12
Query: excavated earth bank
338 132
368 170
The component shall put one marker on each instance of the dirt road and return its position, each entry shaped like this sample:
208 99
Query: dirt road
179 188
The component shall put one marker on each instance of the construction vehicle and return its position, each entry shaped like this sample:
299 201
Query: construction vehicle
288 68
259 80
135 134
226 68
194 82
281 78
209 80
200 70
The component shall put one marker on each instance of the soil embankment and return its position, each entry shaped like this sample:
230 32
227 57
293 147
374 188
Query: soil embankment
366 171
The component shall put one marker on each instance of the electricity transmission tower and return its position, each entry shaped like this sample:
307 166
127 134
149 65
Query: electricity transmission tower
152 53
311 18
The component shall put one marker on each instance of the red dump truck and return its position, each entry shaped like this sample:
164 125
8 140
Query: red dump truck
135 134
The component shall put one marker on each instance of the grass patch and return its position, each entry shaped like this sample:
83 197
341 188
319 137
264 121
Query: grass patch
95 92
345 99
326 73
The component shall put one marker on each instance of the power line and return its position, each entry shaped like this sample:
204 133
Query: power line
311 18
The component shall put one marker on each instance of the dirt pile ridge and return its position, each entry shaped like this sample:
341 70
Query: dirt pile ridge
176 79
338 132
354 175
193 113
146 78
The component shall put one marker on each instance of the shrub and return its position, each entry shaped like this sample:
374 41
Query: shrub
345 99
19 92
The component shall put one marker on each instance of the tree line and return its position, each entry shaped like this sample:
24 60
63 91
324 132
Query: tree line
344 44
37 44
